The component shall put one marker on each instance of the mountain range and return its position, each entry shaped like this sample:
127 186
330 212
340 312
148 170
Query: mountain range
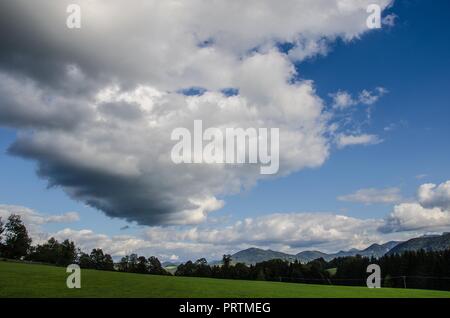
431 243
427 242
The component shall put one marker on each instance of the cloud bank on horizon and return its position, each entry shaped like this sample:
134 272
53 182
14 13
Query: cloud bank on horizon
287 232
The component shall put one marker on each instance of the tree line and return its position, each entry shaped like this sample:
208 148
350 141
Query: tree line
413 269
272 270
15 243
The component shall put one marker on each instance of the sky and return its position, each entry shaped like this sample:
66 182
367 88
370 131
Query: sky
86 116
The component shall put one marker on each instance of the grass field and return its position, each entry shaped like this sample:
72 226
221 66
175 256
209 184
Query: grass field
30 280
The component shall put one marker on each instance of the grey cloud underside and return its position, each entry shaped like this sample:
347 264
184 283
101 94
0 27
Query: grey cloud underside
115 195
27 106
27 49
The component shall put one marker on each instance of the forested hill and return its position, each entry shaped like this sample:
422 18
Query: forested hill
428 243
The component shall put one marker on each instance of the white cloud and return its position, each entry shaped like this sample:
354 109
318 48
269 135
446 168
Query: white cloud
169 53
287 232
117 245
371 97
431 212
34 220
372 195
343 99
68 217
31 216
290 229
435 196
309 48
413 216
343 141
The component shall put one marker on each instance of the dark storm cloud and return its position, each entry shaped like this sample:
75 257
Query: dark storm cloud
118 196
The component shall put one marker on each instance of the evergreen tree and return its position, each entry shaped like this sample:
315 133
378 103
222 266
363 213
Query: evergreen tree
155 267
2 229
84 260
17 241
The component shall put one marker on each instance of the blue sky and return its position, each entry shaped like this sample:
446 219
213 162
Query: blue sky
411 60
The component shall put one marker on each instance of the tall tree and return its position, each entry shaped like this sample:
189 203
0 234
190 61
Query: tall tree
124 264
84 260
226 259
54 252
2 229
97 258
17 241
154 266
141 266
108 263
132 262
100 260
67 253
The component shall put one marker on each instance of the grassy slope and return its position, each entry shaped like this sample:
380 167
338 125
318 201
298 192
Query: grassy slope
26 280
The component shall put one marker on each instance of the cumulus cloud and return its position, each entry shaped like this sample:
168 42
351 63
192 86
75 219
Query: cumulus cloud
435 196
166 52
373 195
95 106
96 162
413 216
431 212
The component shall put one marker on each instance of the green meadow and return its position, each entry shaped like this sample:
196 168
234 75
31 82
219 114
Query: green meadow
31 280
